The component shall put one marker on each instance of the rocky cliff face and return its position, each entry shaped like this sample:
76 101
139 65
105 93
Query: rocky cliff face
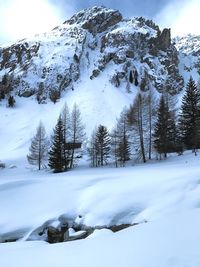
93 41
189 54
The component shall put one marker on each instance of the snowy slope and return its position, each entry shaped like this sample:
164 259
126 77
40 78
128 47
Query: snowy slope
98 102
163 197
188 47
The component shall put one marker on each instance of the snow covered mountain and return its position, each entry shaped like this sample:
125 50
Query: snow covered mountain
88 60
94 41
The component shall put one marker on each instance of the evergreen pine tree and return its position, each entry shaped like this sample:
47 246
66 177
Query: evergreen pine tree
103 145
165 129
39 147
189 118
56 153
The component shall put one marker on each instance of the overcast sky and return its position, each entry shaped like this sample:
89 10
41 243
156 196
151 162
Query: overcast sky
24 18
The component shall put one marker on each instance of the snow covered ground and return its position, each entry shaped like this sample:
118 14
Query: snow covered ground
98 103
164 197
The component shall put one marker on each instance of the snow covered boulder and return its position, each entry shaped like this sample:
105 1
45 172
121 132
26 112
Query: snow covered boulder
72 235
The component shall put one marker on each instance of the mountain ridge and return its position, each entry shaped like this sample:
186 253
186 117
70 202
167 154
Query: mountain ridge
92 39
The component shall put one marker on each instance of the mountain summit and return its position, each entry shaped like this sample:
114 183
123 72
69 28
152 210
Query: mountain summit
92 43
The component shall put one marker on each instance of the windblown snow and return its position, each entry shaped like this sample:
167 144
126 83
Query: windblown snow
163 197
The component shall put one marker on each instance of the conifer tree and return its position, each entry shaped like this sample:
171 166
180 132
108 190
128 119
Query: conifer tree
39 147
165 129
56 153
189 118
103 145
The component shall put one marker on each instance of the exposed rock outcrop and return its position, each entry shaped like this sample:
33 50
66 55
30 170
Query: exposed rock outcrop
189 54
96 19
91 40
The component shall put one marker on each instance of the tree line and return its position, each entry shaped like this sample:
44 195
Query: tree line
69 129
149 127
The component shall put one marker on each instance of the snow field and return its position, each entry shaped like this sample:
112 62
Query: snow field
163 194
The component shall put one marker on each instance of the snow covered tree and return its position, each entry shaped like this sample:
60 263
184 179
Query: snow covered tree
160 131
77 130
189 118
39 147
165 132
56 153
102 145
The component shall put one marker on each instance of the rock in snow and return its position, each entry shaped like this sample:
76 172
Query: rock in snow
93 41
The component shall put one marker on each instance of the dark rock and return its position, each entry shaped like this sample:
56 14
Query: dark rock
130 54
54 235
117 228
95 73
2 165
27 93
96 19
163 40
115 80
